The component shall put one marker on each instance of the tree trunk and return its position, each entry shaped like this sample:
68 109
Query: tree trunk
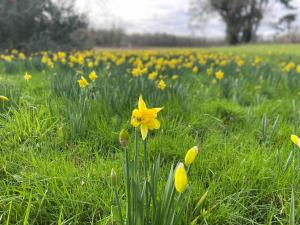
247 34
232 34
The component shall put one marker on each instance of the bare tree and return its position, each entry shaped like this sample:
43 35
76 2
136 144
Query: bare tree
241 17
284 26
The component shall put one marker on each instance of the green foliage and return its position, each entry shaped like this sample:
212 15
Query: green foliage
148 201
37 24
59 142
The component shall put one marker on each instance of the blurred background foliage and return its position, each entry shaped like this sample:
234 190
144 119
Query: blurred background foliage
33 25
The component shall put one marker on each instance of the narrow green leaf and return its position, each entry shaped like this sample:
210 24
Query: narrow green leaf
292 208
288 161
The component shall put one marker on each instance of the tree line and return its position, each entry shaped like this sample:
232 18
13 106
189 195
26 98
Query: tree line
31 25
117 37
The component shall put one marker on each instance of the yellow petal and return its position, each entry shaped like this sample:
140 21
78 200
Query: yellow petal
148 114
136 113
141 104
134 122
153 124
152 113
144 131
157 109
134 118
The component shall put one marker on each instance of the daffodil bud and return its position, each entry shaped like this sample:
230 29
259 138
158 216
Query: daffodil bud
4 98
113 177
295 139
123 138
180 178
191 155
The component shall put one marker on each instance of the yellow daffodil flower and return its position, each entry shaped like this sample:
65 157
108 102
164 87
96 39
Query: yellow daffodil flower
180 178
82 82
152 75
288 67
219 75
209 71
191 155
257 61
195 69
175 77
93 76
161 85
22 56
240 62
27 77
298 69
136 72
144 117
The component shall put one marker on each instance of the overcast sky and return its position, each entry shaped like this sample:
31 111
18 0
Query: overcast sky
170 16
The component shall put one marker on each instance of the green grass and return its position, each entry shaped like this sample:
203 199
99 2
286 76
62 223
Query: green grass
56 155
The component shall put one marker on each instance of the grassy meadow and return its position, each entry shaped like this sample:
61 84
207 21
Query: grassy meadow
61 114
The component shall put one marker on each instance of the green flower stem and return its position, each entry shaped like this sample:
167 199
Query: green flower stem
118 205
146 179
188 169
135 197
136 154
128 186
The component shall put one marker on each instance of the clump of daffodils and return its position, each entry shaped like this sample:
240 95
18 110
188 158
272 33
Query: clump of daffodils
145 203
83 82
180 177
